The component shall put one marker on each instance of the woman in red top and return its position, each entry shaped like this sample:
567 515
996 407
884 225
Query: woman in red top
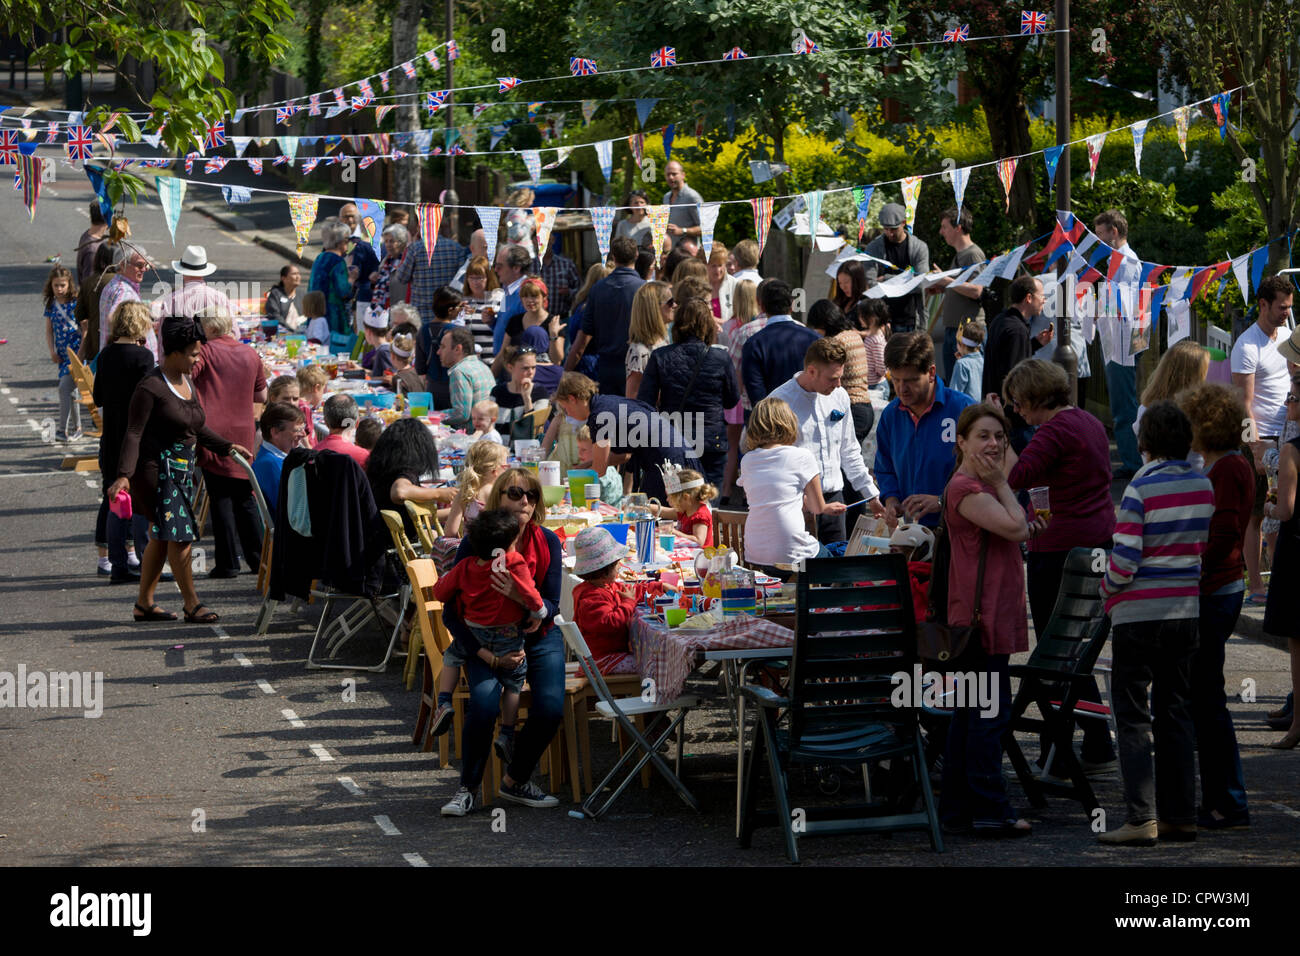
1070 455
1216 414
228 378
978 503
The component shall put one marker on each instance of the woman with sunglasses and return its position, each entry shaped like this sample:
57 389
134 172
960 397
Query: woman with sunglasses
517 491
1282 612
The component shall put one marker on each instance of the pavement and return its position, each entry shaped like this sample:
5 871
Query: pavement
218 747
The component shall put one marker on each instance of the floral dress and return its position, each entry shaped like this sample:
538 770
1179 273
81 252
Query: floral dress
379 297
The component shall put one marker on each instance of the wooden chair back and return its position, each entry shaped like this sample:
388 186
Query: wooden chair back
729 531
425 519
85 380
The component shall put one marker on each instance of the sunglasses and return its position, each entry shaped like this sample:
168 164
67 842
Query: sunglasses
525 350
515 493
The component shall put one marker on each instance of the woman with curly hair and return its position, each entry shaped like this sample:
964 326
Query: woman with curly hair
404 454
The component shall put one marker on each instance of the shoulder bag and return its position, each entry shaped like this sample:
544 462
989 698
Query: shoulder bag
936 639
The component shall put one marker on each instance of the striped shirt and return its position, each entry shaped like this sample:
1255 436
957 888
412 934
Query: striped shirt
471 383
1160 534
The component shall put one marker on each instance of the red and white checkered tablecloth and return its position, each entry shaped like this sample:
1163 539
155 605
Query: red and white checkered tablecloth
667 656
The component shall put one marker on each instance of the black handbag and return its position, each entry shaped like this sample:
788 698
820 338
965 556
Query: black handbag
936 639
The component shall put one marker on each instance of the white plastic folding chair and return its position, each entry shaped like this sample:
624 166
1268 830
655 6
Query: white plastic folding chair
621 710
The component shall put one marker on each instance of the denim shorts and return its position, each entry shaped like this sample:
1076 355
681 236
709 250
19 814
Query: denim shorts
500 640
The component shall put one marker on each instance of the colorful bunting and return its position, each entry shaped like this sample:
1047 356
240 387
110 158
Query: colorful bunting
605 156
215 165
543 222
432 59
1095 142
506 83
1139 130
708 220
313 108
302 210
383 81
662 57
236 194
430 217
588 110
561 154
806 45
658 216
1051 156
862 198
879 39
453 51
284 113
602 221
1240 271
643 107
532 159
367 161
256 166
189 162
29 178
1181 115
1220 102
489 218
762 206
1007 173
911 190
409 69
80 144
637 142
171 193
668 141
813 203
959 179
1258 263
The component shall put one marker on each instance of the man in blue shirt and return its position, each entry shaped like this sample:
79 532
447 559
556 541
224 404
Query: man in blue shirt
917 434
283 426
606 320
775 354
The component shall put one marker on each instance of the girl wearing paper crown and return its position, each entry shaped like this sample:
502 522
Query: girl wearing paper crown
689 494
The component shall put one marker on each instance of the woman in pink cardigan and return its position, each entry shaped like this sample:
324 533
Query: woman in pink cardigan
228 379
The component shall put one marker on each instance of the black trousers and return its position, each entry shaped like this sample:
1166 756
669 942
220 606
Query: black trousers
830 528
236 525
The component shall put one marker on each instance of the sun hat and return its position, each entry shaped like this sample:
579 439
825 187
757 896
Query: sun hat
595 548
914 536
194 262
1290 347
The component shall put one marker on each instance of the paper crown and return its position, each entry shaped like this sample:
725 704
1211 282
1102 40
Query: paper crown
673 483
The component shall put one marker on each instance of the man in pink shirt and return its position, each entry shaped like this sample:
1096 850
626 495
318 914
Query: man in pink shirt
341 417
193 297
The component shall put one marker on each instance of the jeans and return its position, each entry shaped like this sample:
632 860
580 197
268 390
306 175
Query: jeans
1223 787
949 353
138 527
236 525
1156 655
973 788
501 640
101 523
830 528
1045 570
1121 382
545 662
69 422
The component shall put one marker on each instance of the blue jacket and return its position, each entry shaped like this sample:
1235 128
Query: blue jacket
773 356
917 459
609 314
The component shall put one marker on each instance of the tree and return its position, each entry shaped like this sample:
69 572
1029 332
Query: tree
1255 44
178 40
406 30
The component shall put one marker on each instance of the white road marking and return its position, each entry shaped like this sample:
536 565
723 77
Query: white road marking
350 786
41 474
414 859
12 399
1285 809
386 825
294 719
265 688
243 661
220 632
4 391
321 753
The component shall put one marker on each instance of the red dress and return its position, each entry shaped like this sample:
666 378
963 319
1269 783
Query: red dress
1003 610
703 516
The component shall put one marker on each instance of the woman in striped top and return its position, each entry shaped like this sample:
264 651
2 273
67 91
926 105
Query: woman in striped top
1152 592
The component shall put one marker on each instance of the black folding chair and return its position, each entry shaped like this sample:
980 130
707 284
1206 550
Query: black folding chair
855 630
1059 668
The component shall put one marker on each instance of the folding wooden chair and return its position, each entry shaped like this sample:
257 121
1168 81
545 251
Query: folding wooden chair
855 630
622 710
1060 666
406 553
85 381
729 531
427 527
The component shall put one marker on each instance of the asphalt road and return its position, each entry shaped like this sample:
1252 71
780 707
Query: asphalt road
217 747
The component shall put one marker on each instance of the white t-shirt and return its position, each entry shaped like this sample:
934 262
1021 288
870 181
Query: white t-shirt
774 480
1254 353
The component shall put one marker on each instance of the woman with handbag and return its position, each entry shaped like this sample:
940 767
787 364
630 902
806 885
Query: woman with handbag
984 527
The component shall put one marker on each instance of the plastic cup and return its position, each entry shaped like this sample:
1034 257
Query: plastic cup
419 411
291 348
667 541
675 615
1040 501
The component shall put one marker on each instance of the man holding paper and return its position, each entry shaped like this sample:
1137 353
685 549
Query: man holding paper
900 249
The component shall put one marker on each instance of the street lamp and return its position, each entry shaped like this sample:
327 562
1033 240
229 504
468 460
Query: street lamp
1064 354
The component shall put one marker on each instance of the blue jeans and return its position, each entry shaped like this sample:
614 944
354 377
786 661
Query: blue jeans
1121 382
137 526
545 662
949 353
973 789
1156 656
1223 787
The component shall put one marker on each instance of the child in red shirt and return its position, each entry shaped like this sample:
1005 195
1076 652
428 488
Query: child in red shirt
602 607
493 618
689 494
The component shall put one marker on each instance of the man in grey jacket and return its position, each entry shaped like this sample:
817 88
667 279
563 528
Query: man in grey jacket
901 249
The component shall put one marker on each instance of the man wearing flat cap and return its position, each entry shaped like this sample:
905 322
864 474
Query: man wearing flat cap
897 246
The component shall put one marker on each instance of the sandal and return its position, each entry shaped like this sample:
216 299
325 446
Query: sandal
194 617
152 613
1257 598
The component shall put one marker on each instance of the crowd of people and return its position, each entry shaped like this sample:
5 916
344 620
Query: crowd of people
688 378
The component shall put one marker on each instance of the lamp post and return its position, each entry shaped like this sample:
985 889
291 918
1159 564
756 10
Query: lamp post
1064 355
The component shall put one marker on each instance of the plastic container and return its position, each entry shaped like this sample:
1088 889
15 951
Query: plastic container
579 478
375 399
121 505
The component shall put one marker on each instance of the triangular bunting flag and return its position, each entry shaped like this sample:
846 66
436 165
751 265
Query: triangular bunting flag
1221 102
1139 130
762 219
371 215
1007 174
1258 263
382 111
561 154
588 110
171 193
1052 156
708 220
605 156
543 222
813 203
288 146
862 198
602 221
430 216
668 141
29 177
1095 142
241 144
637 142
959 180
1240 270
533 160
1181 116
643 107
911 191
489 217
302 210
658 228
235 194
96 177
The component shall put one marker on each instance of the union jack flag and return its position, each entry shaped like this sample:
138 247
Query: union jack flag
880 38
284 113
338 96
506 83
8 147
189 162
255 165
215 165
52 133
383 80
664 56
453 51
436 100
959 35
361 102
398 154
215 137
735 53
367 161
1032 22
367 90
409 69
481 108
313 105
310 164
280 161
458 150
806 45
80 143
432 58
580 66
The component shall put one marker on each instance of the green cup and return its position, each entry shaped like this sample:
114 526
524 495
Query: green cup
674 615
419 411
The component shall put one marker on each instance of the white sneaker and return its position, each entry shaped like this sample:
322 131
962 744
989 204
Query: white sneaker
459 805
